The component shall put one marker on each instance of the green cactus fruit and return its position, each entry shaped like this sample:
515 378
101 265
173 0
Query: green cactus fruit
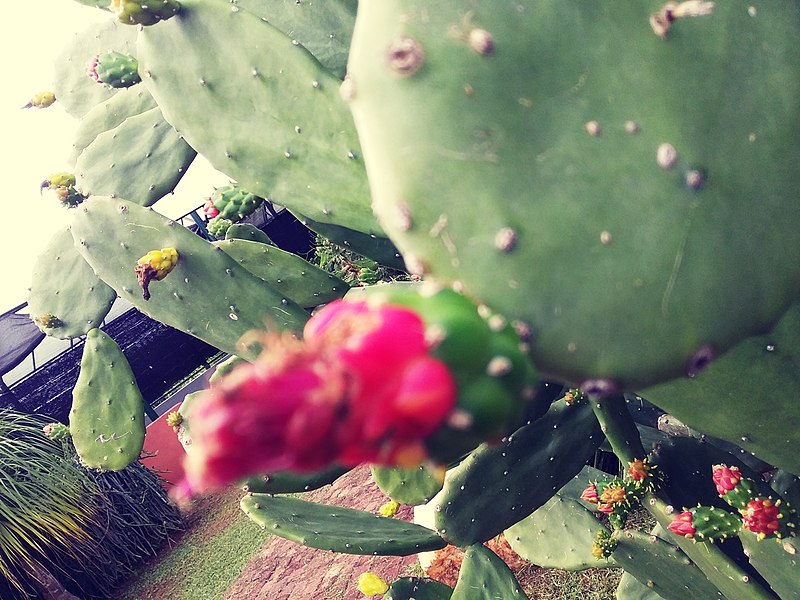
234 202
66 297
115 69
41 100
306 155
417 588
661 567
56 431
496 380
496 486
484 576
107 416
711 523
135 12
75 92
338 529
410 486
286 482
218 227
604 197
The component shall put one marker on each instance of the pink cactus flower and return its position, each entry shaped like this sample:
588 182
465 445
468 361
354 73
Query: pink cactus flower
762 516
361 387
606 509
682 525
590 494
209 210
91 68
725 478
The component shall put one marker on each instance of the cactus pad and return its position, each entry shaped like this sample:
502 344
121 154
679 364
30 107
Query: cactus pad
484 576
338 529
536 177
107 416
65 287
286 482
411 486
417 588
306 154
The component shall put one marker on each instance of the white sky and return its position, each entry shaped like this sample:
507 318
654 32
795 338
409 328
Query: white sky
37 143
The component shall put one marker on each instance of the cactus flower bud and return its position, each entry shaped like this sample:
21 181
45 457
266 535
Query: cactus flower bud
683 525
41 100
590 494
209 210
606 509
725 478
361 387
389 509
613 495
56 431
638 470
155 265
762 516
604 545
371 584
174 419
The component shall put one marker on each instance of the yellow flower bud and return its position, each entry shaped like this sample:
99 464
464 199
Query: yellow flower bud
371 584
389 509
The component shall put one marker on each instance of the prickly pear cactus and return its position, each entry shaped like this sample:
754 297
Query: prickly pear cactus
625 204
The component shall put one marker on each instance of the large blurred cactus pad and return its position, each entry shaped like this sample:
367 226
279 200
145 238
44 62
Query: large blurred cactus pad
525 151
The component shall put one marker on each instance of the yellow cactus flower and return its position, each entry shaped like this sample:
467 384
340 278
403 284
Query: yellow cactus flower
174 419
41 100
613 495
371 584
155 265
389 509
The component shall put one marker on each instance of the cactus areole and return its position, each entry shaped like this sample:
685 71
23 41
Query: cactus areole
643 162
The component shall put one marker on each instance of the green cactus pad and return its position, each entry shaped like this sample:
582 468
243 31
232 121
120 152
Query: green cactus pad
286 482
497 486
338 529
246 231
629 588
778 561
65 286
322 28
515 149
142 160
208 294
107 416
306 154
787 486
75 91
560 534
411 486
296 278
484 576
108 115
417 588
748 396
661 567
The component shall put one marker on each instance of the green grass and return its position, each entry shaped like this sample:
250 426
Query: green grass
220 542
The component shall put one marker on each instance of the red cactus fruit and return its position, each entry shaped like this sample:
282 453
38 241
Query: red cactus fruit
725 478
682 525
762 516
